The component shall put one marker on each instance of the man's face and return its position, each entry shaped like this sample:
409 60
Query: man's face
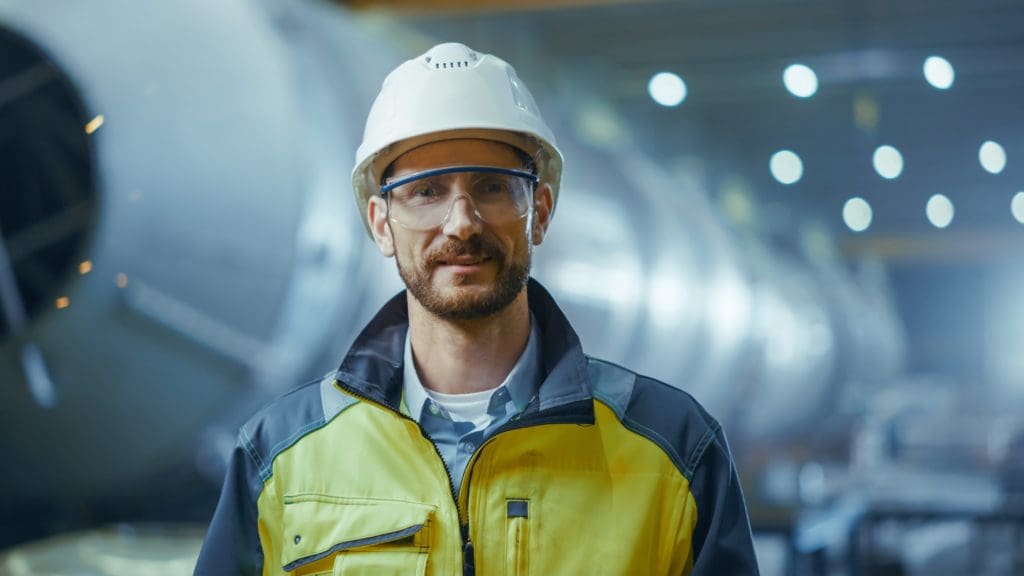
464 268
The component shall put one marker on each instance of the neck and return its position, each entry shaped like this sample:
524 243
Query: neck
458 357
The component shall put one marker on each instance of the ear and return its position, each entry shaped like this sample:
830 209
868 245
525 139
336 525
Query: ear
377 216
543 203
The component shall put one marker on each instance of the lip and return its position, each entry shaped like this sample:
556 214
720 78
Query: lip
464 265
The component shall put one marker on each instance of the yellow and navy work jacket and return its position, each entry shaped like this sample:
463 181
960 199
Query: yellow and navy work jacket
604 472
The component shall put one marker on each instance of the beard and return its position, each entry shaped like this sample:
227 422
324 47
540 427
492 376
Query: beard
511 278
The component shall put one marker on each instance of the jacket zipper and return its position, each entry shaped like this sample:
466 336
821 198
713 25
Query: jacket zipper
515 422
467 545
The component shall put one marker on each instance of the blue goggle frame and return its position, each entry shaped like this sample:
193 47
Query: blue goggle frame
385 188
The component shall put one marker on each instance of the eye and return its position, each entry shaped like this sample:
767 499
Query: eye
424 191
419 192
494 186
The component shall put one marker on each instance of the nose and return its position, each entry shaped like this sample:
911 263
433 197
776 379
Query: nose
462 221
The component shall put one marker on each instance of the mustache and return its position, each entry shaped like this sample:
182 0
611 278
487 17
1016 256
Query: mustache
475 246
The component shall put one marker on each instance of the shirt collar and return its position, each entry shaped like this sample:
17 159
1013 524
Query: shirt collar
373 367
520 384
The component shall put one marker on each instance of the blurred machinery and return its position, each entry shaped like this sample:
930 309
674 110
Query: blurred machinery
179 246
178 242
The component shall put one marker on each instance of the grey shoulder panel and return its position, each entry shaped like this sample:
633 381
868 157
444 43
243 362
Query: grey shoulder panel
665 415
287 419
333 400
611 384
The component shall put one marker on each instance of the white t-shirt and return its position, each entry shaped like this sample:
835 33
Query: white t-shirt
470 407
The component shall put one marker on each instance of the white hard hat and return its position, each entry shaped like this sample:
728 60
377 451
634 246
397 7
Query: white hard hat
449 92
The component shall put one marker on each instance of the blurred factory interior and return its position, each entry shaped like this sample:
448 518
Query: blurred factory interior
807 213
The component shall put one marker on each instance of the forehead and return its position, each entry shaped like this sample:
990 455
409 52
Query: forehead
467 151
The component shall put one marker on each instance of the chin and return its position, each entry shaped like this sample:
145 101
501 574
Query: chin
480 294
465 290
467 302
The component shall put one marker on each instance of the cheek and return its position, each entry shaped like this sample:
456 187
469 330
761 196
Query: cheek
516 242
400 246
410 251
410 256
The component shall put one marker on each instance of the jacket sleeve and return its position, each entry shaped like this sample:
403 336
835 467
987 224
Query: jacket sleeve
722 543
232 544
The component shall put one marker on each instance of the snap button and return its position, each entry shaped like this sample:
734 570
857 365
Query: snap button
297 538
433 408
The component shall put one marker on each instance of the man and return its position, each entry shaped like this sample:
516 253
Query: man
466 431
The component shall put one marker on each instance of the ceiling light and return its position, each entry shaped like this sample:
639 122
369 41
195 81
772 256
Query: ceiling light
1017 207
888 162
857 214
800 80
992 157
667 89
939 72
786 166
939 211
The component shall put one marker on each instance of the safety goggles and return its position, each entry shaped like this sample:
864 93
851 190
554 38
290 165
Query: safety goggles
424 200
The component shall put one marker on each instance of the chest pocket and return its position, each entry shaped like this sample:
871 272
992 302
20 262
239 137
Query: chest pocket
326 534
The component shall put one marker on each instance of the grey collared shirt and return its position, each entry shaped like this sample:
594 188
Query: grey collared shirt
458 440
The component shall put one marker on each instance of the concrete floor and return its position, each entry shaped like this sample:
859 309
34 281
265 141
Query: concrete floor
123 549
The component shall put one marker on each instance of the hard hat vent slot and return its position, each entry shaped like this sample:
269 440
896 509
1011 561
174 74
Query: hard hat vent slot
451 56
447 65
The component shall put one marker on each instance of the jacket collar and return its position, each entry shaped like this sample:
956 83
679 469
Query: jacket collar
373 366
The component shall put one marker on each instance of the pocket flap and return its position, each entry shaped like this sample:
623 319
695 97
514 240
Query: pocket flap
318 525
